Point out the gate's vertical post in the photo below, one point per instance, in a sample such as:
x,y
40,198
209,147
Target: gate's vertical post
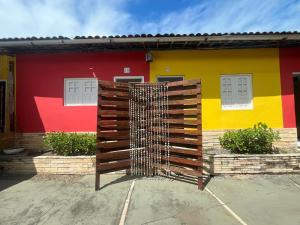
x,y
97,180
199,137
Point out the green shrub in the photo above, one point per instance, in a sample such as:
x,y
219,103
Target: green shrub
x,y
71,143
256,140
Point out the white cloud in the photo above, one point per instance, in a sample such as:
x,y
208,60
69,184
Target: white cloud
x,y
19,18
61,17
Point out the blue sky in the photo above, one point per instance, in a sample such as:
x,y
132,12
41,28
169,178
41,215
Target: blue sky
x,y
19,18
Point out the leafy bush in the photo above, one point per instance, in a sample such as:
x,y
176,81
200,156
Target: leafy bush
x,y
256,140
71,143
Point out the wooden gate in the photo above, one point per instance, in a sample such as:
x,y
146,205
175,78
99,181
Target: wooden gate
x,y
184,127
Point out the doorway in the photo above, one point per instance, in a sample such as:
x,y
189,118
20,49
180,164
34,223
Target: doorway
x,y
2,105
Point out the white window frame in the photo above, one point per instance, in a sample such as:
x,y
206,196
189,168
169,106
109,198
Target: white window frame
x,y
167,76
129,77
234,106
81,104
296,74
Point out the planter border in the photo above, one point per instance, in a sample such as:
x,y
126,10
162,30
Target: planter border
x,y
223,164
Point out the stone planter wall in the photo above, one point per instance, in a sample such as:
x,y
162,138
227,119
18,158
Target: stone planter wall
x,y
216,164
256,164
48,164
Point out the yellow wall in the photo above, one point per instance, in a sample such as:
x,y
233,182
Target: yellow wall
x,y
209,65
4,70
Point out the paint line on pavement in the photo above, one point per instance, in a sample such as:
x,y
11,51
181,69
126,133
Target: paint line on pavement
x,y
295,183
226,207
126,205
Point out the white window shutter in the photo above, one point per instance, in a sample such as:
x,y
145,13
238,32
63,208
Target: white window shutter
x,y
73,92
90,91
236,92
80,91
227,91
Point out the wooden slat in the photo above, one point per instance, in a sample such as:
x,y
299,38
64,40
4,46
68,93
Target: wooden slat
x,y
184,112
179,131
118,165
182,121
183,83
113,124
112,84
183,161
185,141
114,94
184,102
114,138
117,144
184,171
119,104
114,113
112,134
113,87
183,92
181,140
111,156
184,151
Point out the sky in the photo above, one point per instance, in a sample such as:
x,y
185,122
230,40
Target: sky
x,y
43,18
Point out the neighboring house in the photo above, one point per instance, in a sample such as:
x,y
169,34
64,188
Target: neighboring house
x,y
246,79
7,100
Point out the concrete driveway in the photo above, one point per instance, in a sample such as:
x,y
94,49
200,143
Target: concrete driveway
x,y
72,200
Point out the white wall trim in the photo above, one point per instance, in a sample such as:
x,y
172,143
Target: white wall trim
x,y
129,77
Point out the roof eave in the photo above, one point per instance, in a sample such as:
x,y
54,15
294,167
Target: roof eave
x,y
129,40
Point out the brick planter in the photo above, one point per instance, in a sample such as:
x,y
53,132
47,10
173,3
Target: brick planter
x,y
218,164
48,164
256,164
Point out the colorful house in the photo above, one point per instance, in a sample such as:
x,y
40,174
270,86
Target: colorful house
x,y
246,79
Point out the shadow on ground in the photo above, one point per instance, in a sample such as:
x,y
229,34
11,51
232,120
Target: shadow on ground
x,y
8,180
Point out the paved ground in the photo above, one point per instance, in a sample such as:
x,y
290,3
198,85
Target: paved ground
x,y
72,200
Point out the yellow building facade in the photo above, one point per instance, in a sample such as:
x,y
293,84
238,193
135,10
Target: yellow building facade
x,y
210,65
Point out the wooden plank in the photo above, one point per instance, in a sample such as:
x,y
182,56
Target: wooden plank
x,y
184,151
112,83
114,94
184,102
184,112
184,131
116,144
183,161
182,121
181,140
119,104
113,87
183,171
117,165
112,133
185,141
112,156
114,113
183,83
113,124
183,92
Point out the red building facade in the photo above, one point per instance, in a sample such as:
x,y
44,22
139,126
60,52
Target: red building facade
x,y
289,69
40,87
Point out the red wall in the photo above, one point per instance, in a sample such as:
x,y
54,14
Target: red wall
x,y
289,63
40,87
